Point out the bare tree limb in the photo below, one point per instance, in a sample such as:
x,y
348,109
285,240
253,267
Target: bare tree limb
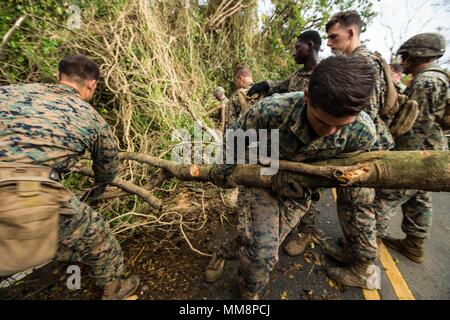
x,y
127,186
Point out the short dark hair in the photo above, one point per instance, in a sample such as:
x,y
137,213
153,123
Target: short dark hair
x,y
242,70
396,67
78,68
311,35
345,18
342,85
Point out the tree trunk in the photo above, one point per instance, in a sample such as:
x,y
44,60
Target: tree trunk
x,y
422,170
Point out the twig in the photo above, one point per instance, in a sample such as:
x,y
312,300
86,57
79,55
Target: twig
x,y
10,32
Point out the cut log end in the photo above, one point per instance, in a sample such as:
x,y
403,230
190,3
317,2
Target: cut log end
x,y
194,171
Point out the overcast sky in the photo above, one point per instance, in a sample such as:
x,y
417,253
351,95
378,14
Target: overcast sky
x,y
405,18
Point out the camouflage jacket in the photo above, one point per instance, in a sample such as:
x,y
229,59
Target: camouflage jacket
x,y
50,125
429,89
385,139
233,108
298,142
298,81
400,87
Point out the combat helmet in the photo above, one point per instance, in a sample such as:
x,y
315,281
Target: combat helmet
x,y
424,45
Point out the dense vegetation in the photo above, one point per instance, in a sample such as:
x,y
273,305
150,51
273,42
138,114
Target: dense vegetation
x,y
159,59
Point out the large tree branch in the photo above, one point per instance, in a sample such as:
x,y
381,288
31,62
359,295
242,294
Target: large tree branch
x,y
422,170
127,186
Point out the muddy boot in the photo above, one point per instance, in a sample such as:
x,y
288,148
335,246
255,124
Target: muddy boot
x,y
298,245
247,295
120,289
214,269
337,253
411,247
361,274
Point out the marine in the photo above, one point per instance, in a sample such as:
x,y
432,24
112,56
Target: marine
x,y
311,127
307,47
44,130
430,88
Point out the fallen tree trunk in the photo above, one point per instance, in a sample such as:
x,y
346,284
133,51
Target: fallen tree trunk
x,y
422,170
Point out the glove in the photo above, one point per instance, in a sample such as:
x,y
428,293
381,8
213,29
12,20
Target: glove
x,y
259,88
287,185
220,175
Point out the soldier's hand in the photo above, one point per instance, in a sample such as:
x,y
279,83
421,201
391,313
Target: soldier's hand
x,y
286,185
259,88
220,174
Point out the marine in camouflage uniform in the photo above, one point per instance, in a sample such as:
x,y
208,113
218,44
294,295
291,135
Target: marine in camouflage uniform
x,y
356,213
307,48
264,217
430,89
234,107
51,125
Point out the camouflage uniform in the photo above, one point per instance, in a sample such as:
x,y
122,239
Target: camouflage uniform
x,y
50,125
265,218
298,81
233,108
385,139
400,87
429,89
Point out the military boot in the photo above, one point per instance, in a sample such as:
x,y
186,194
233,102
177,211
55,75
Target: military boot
x,y
248,295
337,253
361,274
411,247
120,289
214,269
298,245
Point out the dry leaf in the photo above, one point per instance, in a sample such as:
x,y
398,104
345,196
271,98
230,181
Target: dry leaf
x,y
133,297
284,295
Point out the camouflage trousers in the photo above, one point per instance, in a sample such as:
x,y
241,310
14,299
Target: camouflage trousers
x,y
358,222
84,236
416,208
264,220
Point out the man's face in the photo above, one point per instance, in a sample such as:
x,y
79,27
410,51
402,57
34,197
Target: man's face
x,y
302,52
242,81
396,76
325,125
339,38
406,64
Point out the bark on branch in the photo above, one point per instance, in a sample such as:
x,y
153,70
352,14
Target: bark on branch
x,y
422,170
127,186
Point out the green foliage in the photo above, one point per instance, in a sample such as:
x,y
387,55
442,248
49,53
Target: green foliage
x,y
158,59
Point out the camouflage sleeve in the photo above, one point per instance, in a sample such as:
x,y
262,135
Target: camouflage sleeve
x,y
104,154
428,93
362,135
280,86
232,110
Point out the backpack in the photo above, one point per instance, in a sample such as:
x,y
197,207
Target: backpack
x,y
29,216
391,106
445,120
